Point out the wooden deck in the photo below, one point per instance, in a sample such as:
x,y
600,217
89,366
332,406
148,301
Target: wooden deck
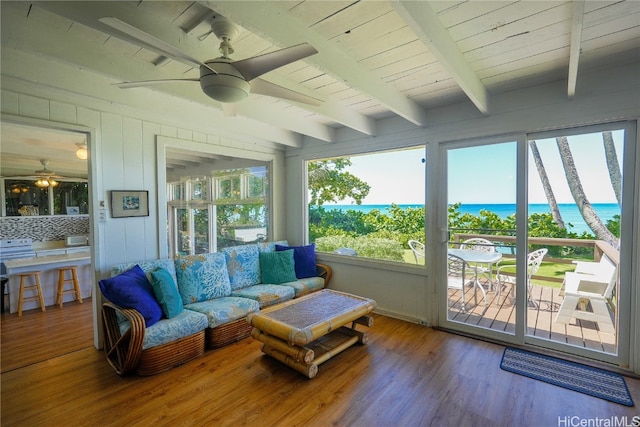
x,y
541,311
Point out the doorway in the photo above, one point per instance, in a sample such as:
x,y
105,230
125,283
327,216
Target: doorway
x,y
535,228
55,211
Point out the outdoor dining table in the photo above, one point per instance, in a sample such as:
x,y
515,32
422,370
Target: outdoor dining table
x,y
475,257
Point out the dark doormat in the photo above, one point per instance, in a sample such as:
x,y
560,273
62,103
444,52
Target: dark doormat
x,y
573,376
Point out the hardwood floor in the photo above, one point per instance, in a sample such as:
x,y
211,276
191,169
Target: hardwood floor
x,y
41,335
408,375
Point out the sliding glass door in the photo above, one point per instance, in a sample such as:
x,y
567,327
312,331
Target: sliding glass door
x,y
576,299
535,246
481,229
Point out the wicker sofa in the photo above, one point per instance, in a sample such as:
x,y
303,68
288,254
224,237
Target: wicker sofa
x,y
217,291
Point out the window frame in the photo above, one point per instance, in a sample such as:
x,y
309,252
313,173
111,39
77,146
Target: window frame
x,y
358,260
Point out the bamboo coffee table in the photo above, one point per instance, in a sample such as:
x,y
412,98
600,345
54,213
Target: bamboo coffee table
x,y
308,331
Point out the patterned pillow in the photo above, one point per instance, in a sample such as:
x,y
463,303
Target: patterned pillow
x,y
277,267
305,259
131,289
202,277
166,291
243,264
147,267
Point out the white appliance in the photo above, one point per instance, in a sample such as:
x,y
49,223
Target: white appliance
x,y
77,240
13,249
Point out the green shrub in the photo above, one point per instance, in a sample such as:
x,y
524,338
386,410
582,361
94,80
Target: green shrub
x,y
365,246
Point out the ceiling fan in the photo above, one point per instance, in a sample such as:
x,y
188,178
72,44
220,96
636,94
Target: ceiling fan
x,y
46,177
224,79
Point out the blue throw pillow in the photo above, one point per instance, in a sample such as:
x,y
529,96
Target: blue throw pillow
x,y
305,259
166,291
132,289
277,267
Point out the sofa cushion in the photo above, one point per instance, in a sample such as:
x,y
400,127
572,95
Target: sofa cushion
x,y
277,267
147,267
168,330
166,292
202,277
271,246
266,295
131,289
243,264
224,310
306,285
305,259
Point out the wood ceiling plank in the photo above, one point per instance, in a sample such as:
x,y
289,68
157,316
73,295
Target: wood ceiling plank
x,y
310,12
559,57
550,37
433,34
470,10
354,18
533,51
401,37
399,53
545,19
622,23
508,14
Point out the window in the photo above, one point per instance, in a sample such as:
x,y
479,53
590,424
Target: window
x,y
23,198
227,208
369,205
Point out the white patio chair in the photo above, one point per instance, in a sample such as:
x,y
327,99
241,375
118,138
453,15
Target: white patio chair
x,y
457,279
418,249
534,259
587,294
480,244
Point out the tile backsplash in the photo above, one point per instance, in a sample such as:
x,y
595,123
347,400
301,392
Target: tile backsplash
x,y
42,229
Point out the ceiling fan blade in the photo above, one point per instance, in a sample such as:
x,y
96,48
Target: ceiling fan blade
x,y
256,66
150,40
263,87
128,85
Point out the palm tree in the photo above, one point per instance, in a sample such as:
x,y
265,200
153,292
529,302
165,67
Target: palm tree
x,y
575,186
612,164
553,205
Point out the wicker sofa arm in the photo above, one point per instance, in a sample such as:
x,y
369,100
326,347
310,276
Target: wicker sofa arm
x,y
324,271
123,351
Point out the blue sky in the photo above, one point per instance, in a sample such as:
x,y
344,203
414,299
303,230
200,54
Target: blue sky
x,y
486,174
396,176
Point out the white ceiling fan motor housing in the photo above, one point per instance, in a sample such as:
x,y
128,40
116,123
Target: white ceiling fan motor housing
x,y
226,86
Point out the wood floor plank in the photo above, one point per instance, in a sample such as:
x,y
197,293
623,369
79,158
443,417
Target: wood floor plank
x,y
407,375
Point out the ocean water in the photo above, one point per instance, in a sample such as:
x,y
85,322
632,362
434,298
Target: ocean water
x,y
569,211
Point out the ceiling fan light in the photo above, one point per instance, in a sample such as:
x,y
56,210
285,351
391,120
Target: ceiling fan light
x,y
81,153
42,182
226,86
53,182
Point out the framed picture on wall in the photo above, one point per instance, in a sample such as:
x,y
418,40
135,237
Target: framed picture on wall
x,y
129,203
73,210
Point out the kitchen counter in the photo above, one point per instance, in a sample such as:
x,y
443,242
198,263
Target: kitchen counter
x,y
47,259
48,267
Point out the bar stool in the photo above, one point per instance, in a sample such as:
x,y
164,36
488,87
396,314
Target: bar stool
x,y
62,281
33,286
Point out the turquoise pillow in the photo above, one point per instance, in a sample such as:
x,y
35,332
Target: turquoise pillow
x,y
277,267
166,292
